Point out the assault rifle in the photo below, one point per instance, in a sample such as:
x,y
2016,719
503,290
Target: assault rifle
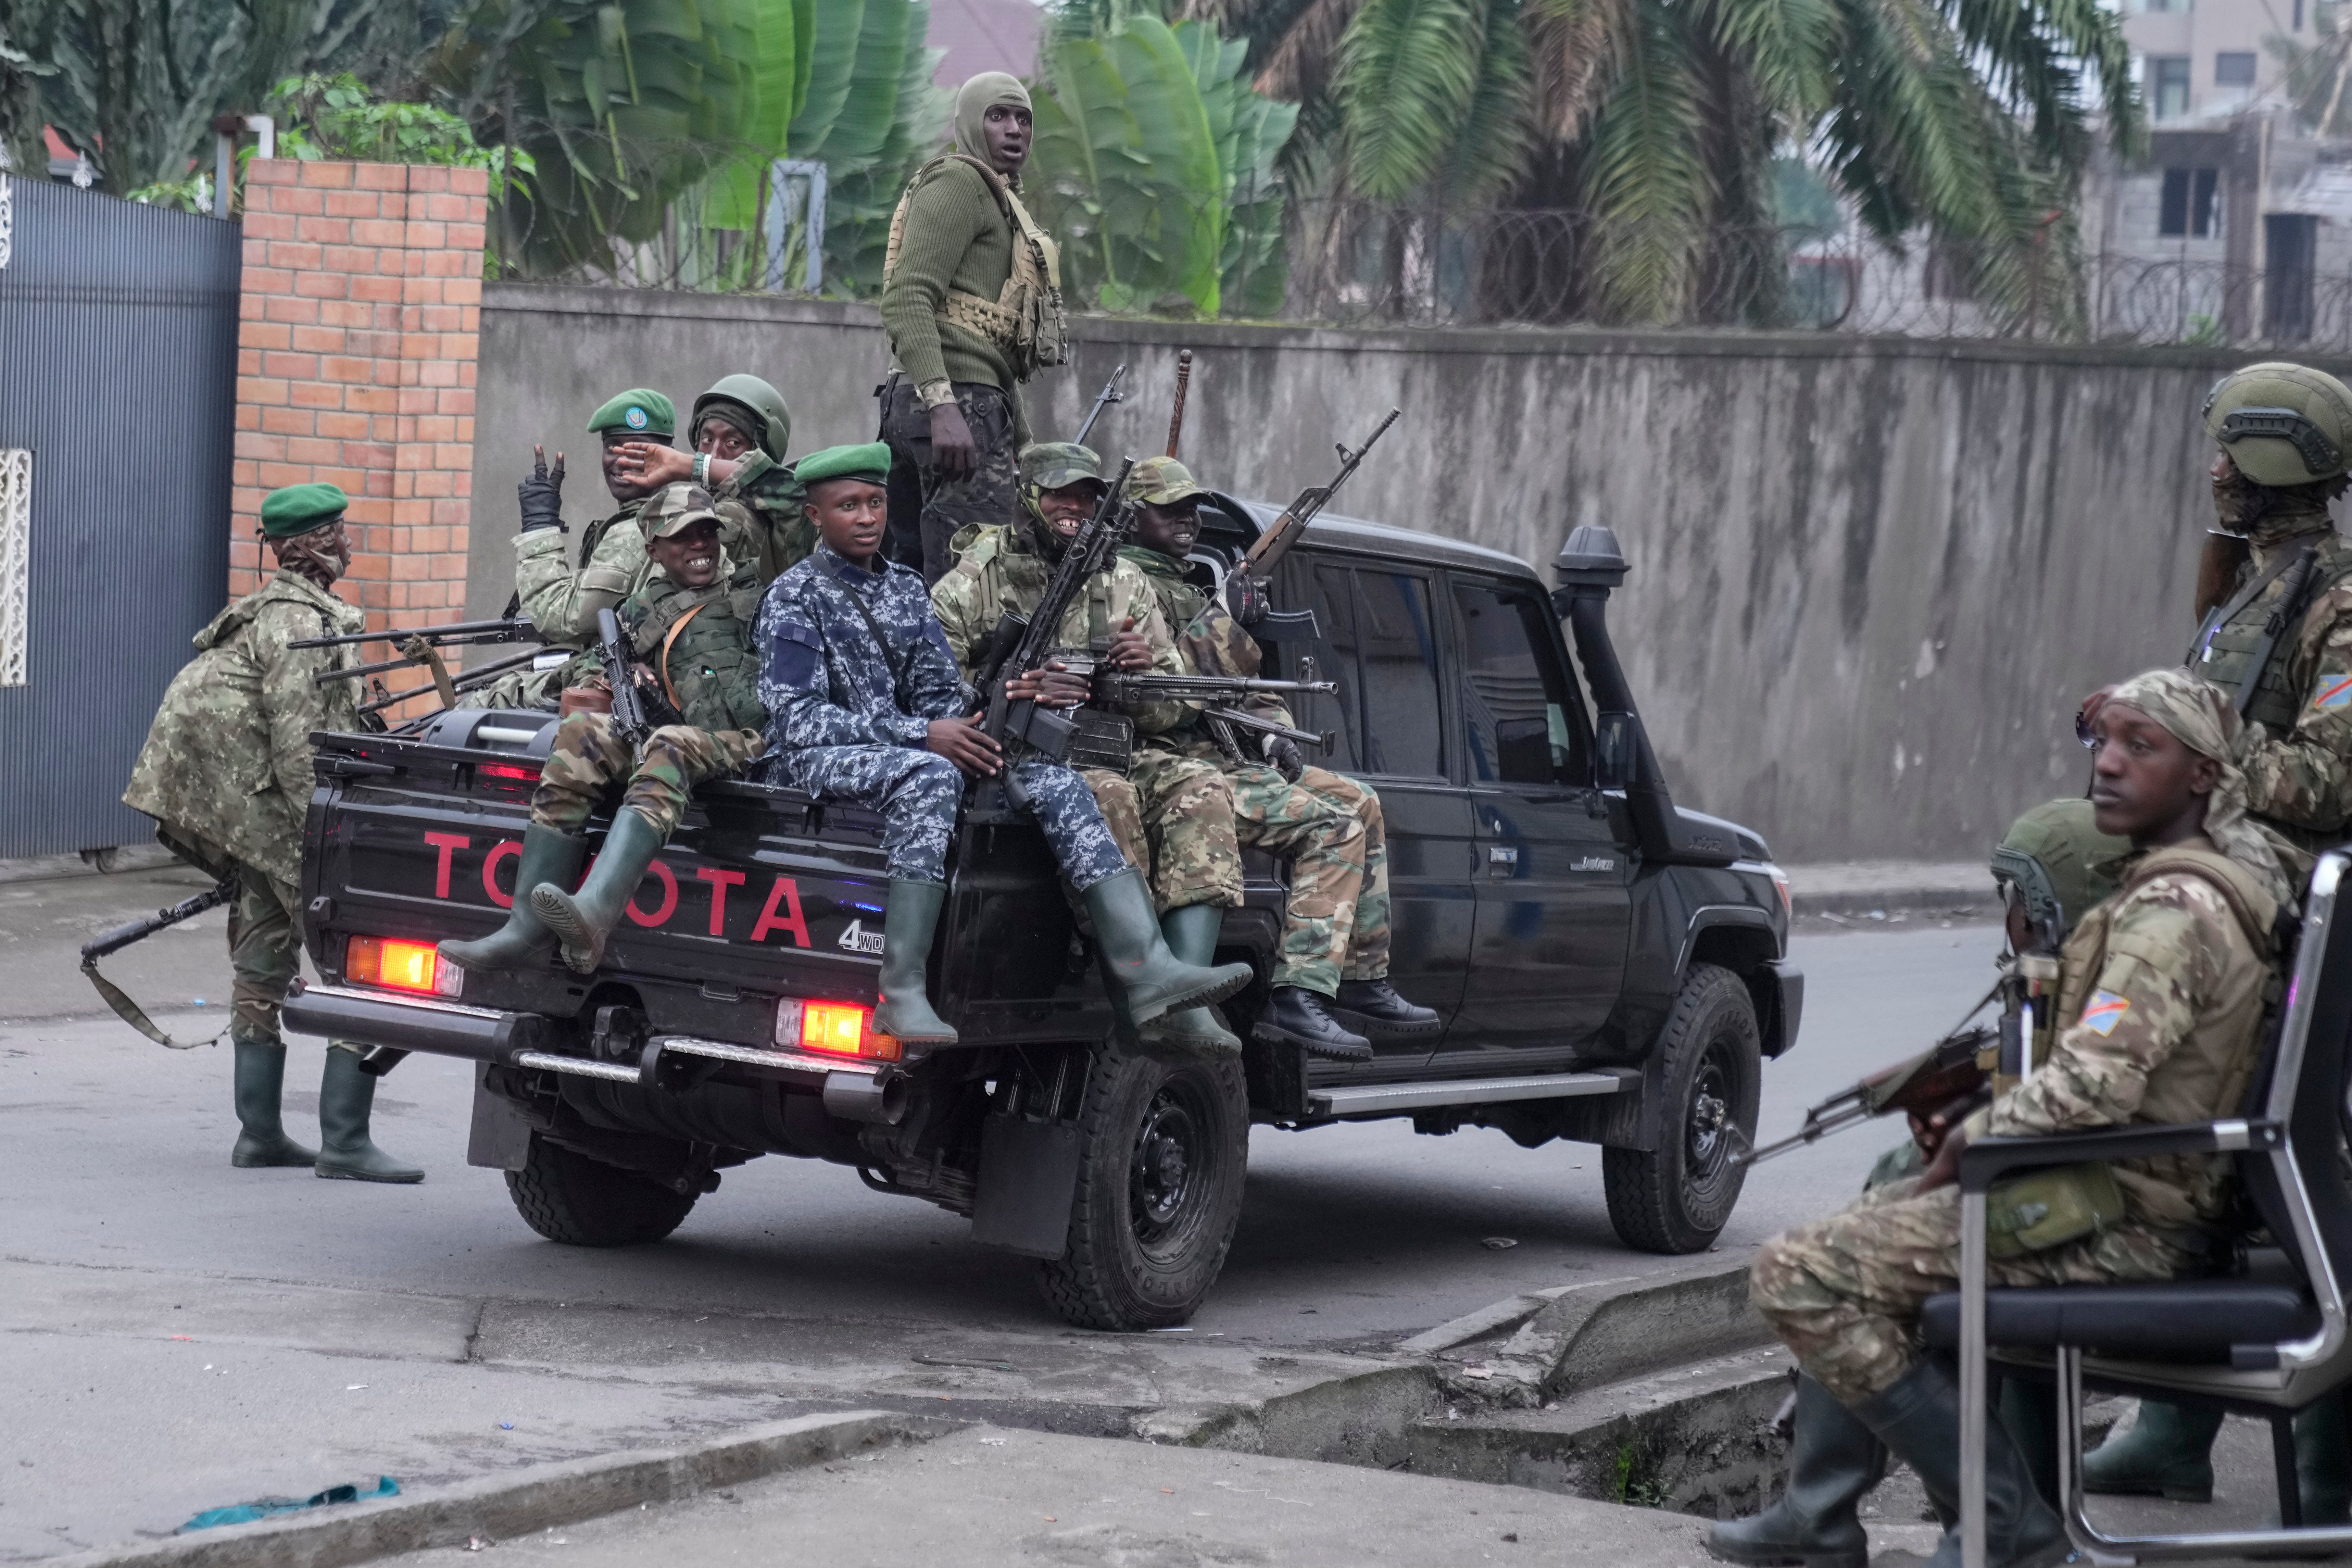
x,y
475,678
122,936
1246,588
1088,553
1110,394
422,645
1222,693
1947,1071
629,721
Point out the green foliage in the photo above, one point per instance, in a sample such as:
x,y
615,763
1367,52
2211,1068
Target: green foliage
x,y
881,124
335,117
1155,165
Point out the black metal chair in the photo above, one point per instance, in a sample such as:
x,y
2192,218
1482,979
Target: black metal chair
x,y
2268,1342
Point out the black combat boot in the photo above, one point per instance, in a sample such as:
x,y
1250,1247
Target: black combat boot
x,y
1834,1461
2321,1461
1192,1034
905,1010
2168,1453
260,1080
346,1097
1372,1007
1296,1016
582,921
547,856
1156,980
1919,1419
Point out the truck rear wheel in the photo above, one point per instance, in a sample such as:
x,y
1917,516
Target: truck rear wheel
x,y
1163,1149
567,1197
1678,1196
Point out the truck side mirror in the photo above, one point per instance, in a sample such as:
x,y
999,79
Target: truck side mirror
x,y
1613,751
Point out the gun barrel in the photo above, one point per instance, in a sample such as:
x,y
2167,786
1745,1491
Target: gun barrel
x,y
122,936
503,631
1322,740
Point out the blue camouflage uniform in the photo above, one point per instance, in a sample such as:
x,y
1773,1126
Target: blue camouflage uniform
x,y
854,668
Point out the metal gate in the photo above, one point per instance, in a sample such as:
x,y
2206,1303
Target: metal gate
x,y
117,394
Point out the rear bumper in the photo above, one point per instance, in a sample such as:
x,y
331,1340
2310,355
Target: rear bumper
x,y
412,1024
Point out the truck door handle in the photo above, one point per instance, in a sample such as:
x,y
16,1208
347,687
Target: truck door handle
x,y
1499,854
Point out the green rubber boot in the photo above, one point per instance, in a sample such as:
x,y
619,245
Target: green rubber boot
x,y
582,921
547,856
2321,1460
2168,1453
1155,980
260,1083
346,1096
1834,1461
905,1010
1919,1419
1192,1034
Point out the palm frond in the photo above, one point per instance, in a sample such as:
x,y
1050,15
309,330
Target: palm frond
x,y
1407,68
1647,182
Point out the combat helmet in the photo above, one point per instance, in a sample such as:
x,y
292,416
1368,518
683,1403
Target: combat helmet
x,y
2282,424
765,402
2059,862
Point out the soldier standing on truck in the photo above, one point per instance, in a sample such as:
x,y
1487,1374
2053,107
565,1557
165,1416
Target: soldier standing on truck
x,y
1330,988
560,599
971,300
2285,435
225,774
691,626
1002,569
2166,986
740,430
865,705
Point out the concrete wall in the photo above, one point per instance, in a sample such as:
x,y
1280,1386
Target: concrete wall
x,y
1871,577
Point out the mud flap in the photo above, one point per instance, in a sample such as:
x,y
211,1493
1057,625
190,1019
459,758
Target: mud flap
x,y
1028,1179
500,1136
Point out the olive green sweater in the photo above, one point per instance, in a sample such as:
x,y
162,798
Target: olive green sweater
x,y
956,236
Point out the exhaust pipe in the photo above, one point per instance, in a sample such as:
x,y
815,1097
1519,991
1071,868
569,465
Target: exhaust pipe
x,y
1590,565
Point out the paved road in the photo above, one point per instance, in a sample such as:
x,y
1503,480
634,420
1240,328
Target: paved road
x,y
122,1225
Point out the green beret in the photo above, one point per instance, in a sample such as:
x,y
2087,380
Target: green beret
x,y
870,462
298,508
636,412
1050,465
1161,481
675,507
2059,861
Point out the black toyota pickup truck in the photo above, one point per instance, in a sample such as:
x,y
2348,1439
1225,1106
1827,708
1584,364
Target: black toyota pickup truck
x,y
1610,969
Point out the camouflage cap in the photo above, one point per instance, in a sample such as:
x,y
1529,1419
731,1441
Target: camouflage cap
x,y
1050,465
2282,424
2059,862
298,508
1161,481
636,412
675,507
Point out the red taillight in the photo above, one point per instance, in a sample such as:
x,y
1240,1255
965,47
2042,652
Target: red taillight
x,y
505,770
399,966
836,1028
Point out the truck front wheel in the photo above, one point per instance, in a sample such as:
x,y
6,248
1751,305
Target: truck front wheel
x,y
1162,1154
567,1197
1678,1196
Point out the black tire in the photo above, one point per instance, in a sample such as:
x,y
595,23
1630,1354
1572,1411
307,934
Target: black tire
x,y
567,1197
1162,1152
1678,1197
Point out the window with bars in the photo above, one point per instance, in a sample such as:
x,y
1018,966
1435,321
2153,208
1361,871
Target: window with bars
x,y
16,561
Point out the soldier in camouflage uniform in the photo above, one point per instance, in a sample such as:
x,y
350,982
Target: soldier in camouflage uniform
x,y
563,599
2166,983
1330,987
1176,805
226,773
691,626
864,704
740,430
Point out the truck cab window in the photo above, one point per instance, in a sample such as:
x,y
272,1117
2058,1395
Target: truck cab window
x,y
1523,722
1395,649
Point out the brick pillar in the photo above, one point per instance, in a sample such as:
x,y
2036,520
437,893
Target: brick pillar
x,y
360,318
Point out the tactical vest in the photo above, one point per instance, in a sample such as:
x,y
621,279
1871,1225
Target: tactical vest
x,y
990,557
2225,653
1025,320
698,644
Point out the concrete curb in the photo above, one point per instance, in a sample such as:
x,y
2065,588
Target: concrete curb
x,y
1588,1336
521,1502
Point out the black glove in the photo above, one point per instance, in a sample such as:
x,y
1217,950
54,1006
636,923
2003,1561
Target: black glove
x,y
540,496
1244,600
1282,752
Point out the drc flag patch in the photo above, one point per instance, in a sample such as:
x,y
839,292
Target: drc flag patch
x,y
2103,1012
2334,691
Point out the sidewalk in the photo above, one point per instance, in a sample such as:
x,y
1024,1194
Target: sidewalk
x,y
1890,892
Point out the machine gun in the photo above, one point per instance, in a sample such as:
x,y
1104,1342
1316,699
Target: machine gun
x,y
423,645
1223,694
1110,394
1245,587
1953,1067
1088,553
475,678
